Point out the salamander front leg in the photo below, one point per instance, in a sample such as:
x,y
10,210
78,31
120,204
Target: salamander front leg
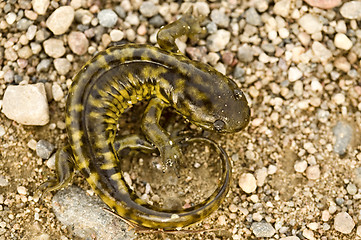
x,y
168,149
64,164
133,141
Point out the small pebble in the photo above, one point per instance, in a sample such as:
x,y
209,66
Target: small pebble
x,y
310,23
218,40
54,47
116,35
78,42
262,229
26,104
57,92
245,54
308,234
313,172
324,4
44,149
32,144
344,223
252,17
22,190
3,181
219,18
300,166
62,65
60,20
107,18
321,52
294,74
282,8
351,189
343,133
351,10
342,41
40,6
342,64
148,9
247,182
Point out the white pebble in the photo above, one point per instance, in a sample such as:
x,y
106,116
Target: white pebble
x,y
57,92
313,172
338,98
344,223
300,166
294,74
26,104
22,190
310,23
247,182
307,233
342,41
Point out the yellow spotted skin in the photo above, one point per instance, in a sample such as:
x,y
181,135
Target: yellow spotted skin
x,y
119,77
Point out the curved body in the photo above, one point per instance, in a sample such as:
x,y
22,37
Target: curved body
x,y
116,79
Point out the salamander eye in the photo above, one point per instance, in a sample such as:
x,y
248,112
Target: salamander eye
x,y
218,125
238,94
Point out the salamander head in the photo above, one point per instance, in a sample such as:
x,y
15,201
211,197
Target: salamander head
x,y
214,103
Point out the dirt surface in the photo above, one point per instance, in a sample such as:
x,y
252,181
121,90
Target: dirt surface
x,y
301,183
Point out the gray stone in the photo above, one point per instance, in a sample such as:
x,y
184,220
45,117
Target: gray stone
x,y
148,9
262,229
44,65
343,133
44,149
86,216
107,18
245,54
220,18
26,104
252,17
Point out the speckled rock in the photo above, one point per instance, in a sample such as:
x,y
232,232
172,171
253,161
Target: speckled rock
x,y
78,43
351,10
60,20
107,18
26,104
40,6
86,217
54,47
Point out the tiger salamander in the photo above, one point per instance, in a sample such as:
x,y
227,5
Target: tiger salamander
x,y
116,79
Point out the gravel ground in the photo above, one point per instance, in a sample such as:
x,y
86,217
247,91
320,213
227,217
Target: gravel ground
x,y
296,168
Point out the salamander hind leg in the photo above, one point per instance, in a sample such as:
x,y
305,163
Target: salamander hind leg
x,y
168,149
64,165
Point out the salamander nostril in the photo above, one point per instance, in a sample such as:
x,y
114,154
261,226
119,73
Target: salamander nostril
x,y
218,125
